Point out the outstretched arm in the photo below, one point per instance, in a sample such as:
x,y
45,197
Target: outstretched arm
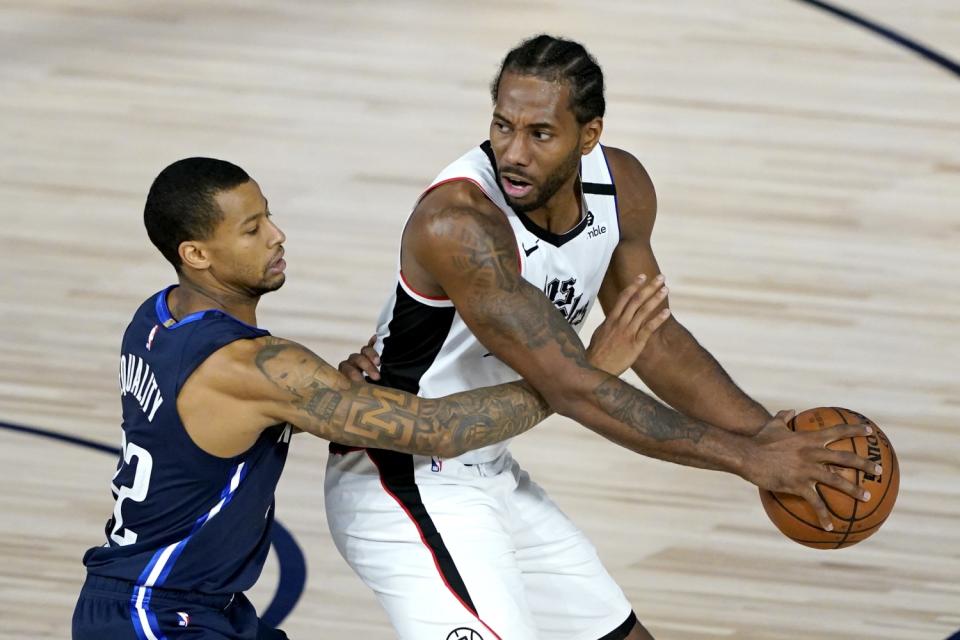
x,y
466,247
675,366
272,380
251,384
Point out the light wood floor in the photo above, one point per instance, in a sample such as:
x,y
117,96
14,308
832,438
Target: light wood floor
x,y
809,180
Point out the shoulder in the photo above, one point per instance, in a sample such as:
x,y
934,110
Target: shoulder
x,y
636,196
455,212
236,369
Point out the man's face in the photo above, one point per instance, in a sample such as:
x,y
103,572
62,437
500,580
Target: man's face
x,y
535,139
246,249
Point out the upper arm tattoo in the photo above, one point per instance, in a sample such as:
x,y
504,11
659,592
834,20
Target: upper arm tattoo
x,y
496,296
359,414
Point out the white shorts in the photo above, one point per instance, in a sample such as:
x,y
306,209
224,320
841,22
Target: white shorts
x,y
472,552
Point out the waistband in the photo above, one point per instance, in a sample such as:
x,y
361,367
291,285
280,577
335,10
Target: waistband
x,y
124,589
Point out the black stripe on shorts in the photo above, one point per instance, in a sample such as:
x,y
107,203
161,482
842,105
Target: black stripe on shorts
x,y
396,473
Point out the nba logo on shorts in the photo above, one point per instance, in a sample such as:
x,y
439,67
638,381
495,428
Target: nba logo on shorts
x,y
464,633
436,464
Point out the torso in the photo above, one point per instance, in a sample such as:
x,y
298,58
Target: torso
x,y
184,519
425,346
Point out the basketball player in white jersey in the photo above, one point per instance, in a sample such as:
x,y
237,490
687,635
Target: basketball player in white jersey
x,y
500,262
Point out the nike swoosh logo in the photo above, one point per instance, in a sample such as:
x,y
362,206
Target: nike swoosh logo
x,y
487,354
530,250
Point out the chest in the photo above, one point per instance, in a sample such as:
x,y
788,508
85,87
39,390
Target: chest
x,y
569,268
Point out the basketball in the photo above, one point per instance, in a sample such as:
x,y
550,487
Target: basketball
x,y
853,520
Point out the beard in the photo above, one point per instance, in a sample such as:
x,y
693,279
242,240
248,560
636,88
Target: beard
x,y
551,183
266,286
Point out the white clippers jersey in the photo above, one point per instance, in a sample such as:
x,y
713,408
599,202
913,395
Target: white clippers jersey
x,y
425,346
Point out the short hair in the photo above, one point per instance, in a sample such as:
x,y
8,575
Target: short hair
x,y
181,206
559,60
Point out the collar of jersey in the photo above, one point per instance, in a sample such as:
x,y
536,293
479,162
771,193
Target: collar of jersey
x,y
556,239
166,318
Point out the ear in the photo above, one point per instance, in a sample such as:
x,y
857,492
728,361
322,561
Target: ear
x,y
590,135
194,254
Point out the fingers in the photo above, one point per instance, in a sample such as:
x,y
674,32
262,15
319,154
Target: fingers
x,y
785,416
644,312
626,295
851,460
843,431
366,362
371,354
838,482
348,369
647,329
819,507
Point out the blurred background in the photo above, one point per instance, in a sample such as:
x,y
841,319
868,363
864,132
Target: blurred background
x,y
808,174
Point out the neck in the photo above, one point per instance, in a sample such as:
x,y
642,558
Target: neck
x,y
563,211
192,296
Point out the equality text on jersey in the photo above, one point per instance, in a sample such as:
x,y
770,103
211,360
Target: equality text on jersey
x,y
137,379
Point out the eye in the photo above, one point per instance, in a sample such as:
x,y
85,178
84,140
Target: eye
x,y
542,135
501,127
251,232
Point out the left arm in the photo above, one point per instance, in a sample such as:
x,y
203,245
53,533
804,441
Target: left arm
x,y
674,365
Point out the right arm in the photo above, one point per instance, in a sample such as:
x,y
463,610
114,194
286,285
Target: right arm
x,y
471,254
251,384
457,244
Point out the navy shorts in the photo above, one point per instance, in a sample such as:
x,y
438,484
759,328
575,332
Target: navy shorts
x,y
110,609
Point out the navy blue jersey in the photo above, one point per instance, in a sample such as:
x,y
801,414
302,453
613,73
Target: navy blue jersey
x,y
183,519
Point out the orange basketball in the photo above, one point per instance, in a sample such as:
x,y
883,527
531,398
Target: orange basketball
x,y
853,520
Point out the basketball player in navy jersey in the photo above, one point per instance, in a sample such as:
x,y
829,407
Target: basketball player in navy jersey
x,y
209,403
500,262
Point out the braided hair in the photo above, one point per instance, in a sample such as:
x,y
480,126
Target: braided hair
x,y
559,60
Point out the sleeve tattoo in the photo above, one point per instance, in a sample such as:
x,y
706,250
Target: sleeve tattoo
x,y
360,414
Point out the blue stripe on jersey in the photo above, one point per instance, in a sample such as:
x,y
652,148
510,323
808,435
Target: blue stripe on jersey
x,y
160,565
154,576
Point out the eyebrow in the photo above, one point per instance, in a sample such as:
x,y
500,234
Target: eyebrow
x,y
535,125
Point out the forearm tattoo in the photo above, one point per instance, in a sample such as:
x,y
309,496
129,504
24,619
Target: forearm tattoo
x,y
367,415
646,415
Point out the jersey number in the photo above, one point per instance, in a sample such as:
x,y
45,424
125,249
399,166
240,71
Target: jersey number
x,y
137,492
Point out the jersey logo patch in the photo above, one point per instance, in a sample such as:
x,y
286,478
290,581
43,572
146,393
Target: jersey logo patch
x,y
153,334
563,294
531,249
184,619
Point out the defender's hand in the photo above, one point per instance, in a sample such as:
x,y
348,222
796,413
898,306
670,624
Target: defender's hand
x,y
365,362
795,463
618,341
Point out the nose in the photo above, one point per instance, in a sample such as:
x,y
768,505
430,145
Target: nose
x,y
517,152
279,237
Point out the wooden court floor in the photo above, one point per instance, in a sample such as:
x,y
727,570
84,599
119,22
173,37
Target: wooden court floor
x,y
809,179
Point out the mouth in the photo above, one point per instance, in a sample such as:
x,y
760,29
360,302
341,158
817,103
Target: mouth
x,y
278,264
515,186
